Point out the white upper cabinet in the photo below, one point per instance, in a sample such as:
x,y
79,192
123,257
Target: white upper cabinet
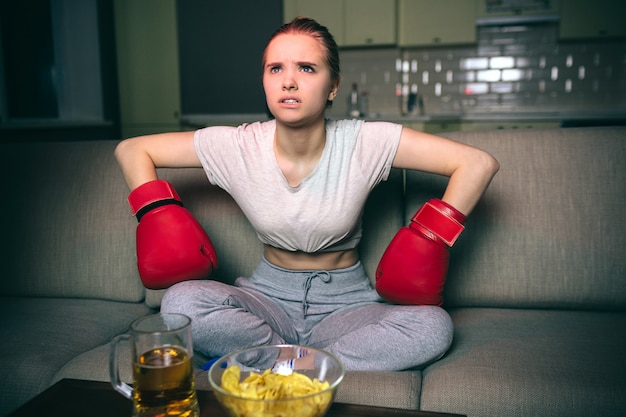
x,y
436,22
352,22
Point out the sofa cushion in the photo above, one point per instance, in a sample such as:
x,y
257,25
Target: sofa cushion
x,y
383,389
550,231
507,362
66,223
39,335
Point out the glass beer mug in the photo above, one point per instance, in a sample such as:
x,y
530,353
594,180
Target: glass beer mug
x,y
162,367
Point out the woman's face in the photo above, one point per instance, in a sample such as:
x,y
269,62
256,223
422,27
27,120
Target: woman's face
x,y
296,79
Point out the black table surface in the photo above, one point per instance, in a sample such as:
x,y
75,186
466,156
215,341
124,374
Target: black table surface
x,y
73,397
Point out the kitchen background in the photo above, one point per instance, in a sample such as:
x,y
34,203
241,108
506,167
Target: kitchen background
x,y
518,68
101,69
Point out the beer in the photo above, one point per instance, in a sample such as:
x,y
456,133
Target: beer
x,y
164,384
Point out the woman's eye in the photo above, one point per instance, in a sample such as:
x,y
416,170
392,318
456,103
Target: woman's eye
x,y
274,70
307,68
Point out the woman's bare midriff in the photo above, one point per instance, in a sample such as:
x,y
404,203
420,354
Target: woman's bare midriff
x,y
299,261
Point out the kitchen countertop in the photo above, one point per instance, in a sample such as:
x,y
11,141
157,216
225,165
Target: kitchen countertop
x,y
501,116
199,120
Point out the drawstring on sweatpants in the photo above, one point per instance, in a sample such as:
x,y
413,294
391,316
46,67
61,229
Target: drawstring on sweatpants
x,y
324,276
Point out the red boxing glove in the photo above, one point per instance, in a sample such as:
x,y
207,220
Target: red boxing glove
x,y
171,245
414,266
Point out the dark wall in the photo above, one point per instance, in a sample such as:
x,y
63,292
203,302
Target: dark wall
x,y
221,45
28,50
33,75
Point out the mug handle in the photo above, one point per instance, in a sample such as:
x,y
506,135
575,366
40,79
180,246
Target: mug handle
x,y
114,373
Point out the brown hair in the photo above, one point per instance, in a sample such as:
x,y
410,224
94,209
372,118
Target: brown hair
x,y
307,26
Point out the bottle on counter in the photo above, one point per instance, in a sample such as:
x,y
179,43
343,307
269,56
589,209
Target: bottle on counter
x,y
353,105
364,104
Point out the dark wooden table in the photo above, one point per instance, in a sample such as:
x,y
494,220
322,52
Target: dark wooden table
x,y
76,398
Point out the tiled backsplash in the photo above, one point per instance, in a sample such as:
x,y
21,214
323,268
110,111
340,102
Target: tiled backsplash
x,y
515,68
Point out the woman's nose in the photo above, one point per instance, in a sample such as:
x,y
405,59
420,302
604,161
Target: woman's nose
x,y
289,83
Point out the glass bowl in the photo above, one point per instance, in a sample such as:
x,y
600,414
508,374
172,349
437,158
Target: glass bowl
x,y
269,381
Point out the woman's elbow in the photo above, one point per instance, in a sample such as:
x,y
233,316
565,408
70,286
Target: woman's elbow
x,y
492,166
486,166
125,149
121,149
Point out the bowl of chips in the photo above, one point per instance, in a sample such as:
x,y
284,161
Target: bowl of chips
x,y
276,380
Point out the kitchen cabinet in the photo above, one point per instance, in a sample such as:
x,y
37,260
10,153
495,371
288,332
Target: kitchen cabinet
x,y
370,22
352,22
436,22
592,19
147,55
329,13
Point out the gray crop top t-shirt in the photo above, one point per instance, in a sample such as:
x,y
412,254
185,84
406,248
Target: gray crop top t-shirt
x,y
323,212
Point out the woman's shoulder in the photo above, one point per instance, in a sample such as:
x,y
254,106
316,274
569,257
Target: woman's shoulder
x,y
358,124
358,128
245,130
259,126
343,124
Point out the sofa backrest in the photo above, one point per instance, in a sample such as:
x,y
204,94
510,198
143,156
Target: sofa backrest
x,y
68,231
550,230
65,224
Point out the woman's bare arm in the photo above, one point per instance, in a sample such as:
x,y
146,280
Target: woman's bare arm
x,y
139,157
470,169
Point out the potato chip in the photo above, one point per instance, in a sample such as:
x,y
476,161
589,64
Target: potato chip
x,y
270,386
230,379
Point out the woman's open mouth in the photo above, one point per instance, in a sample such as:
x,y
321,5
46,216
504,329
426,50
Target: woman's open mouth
x,y
289,100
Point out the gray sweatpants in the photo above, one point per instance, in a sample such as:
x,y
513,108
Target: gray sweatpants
x,y
336,310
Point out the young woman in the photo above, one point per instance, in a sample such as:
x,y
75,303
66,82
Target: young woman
x,y
302,181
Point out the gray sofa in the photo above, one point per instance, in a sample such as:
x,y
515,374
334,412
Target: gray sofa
x,y
536,288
